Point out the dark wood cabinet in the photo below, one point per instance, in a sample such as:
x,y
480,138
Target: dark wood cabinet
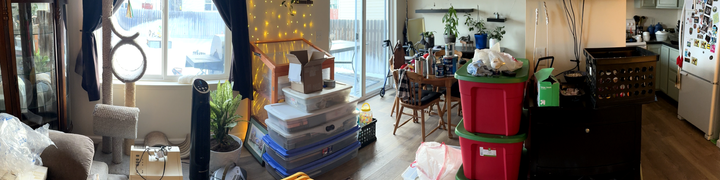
x,y
33,62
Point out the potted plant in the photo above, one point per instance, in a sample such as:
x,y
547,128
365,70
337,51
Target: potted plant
x,y
428,39
451,21
479,26
224,147
496,35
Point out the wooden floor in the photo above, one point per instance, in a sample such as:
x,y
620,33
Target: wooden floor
x,y
671,148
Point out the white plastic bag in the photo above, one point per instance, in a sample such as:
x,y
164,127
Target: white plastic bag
x,y
497,60
20,145
437,161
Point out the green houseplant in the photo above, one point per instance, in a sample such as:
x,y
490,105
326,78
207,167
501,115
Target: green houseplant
x,y
451,21
496,35
224,147
479,27
428,39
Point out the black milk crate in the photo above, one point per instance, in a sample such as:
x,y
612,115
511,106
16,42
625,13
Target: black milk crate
x,y
367,134
621,75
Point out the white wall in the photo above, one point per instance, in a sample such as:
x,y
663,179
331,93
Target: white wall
x,y
166,108
604,27
667,17
514,39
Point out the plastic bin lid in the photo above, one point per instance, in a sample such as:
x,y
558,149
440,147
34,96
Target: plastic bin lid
x,y
490,138
325,91
288,113
315,165
522,75
310,147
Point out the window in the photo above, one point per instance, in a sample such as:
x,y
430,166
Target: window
x,y
193,44
210,6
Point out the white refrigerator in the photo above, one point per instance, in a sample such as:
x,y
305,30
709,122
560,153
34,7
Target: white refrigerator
x,y
698,81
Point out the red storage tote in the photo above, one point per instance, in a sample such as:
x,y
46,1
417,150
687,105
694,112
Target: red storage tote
x,y
492,105
487,156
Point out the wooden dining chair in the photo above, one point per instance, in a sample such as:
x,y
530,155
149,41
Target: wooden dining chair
x,y
397,53
418,100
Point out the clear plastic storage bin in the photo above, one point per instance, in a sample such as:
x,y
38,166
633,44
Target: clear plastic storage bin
x,y
315,168
289,119
290,159
309,136
328,97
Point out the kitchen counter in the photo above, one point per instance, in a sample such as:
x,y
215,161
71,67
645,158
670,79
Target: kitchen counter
x,y
667,42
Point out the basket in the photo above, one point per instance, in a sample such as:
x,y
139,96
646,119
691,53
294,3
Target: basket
x,y
367,134
621,75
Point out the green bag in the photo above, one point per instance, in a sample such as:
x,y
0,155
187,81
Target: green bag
x,y
548,88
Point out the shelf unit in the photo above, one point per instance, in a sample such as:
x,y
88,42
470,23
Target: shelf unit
x,y
442,10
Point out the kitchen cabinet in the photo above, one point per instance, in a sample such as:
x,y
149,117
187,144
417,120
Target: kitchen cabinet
x,y
656,49
667,4
658,4
672,91
666,69
645,3
663,68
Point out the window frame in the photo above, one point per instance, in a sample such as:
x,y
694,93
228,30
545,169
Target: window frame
x,y
164,76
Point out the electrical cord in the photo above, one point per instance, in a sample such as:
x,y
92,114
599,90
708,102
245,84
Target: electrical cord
x,y
141,158
571,19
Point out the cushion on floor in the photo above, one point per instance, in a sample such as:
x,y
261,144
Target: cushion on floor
x,y
99,168
71,157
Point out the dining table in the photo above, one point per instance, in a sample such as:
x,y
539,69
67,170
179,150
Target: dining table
x,y
447,83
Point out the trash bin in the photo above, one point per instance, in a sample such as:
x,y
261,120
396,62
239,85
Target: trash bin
x,y
492,105
487,156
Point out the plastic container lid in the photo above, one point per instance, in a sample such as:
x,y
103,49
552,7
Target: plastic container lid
x,y
313,165
319,94
337,125
365,109
311,147
522,75
490,138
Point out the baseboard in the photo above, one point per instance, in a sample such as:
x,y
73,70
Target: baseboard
x,y
98,139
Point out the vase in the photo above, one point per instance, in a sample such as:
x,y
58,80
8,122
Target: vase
x,y
430,41
449,38
481,41
221,159
493,41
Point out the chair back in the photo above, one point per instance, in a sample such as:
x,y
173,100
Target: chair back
x,y
398,55
414,86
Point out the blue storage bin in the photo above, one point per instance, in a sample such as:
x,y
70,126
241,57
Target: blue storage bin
x,y
290,159
313,169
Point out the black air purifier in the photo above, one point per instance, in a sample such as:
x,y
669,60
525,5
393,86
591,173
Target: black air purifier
x,y
200,131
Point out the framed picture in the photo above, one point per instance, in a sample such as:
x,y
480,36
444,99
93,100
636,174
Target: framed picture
x,y
253,140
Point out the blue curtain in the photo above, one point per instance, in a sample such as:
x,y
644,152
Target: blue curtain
x,y
86,64
234,13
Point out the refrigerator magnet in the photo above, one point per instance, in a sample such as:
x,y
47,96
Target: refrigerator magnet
x,y
708,46
711,58
712,48
707,38
697,43
693,61
706,19
687,60
689,44
709,3
715,9
708,10
703,44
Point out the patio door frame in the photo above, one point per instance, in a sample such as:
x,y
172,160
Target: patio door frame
x,y
390,15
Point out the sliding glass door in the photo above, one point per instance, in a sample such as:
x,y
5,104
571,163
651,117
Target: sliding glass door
x,y
354,25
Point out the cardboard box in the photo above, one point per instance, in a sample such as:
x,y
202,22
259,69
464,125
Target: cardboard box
x,y
305,72
37,173
548,88
153,170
